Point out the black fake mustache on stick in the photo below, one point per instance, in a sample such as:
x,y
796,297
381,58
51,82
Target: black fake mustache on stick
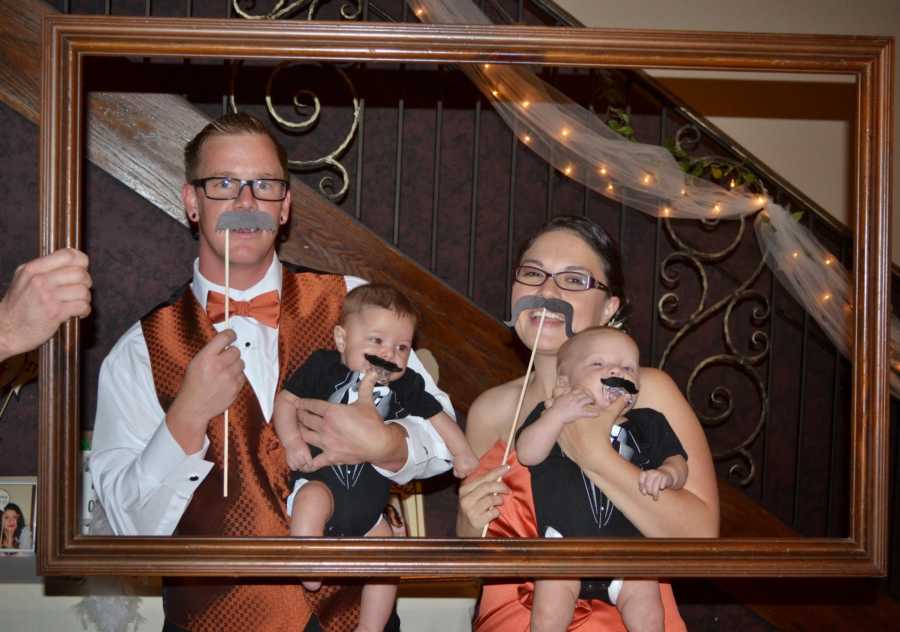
x,y
620,382
380,363
246,220
534,301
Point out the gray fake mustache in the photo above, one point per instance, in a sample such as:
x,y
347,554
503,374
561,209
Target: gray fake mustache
x,y
246,220
535,301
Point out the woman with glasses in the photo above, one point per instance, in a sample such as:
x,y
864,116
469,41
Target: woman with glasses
x,y
573,259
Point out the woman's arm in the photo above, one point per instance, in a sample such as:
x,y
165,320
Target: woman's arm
x,y
480,496
484,424
692,511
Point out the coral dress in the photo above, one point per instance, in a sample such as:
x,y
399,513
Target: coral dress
x,y
507,607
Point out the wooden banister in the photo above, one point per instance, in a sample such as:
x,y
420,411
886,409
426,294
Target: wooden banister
x,y
799,604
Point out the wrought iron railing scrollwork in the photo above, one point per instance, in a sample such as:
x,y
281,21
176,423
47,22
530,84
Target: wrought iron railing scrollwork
x,y
305,102
720,398
283,9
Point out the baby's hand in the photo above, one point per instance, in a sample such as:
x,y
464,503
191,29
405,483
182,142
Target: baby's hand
x,y
571,404
611,397
464,464
382,376
652,482
298,455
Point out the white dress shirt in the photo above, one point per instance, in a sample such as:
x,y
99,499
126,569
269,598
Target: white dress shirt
x,y
143,478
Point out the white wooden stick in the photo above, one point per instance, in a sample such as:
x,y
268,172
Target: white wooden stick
x,y
512,428
227,326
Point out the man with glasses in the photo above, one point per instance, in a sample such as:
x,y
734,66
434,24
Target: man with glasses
x,y
158,446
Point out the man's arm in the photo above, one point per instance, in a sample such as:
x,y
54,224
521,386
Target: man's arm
x,y
402,449
351,433
142,476
212,381
44,293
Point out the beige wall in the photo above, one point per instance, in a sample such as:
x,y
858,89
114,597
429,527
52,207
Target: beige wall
x,y
800,126
29,606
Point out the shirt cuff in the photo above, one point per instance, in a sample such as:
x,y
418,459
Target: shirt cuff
x,y
426,453
164,461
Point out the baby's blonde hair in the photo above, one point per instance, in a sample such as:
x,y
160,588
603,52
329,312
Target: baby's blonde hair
x,y
568,349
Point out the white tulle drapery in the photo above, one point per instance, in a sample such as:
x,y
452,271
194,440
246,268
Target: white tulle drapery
x,y
648,178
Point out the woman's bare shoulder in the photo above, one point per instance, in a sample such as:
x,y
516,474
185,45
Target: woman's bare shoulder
x,y
489,415
653,374
656,384
496,400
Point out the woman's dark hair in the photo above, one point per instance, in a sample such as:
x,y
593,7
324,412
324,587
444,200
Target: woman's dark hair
x,y
20,522
600,242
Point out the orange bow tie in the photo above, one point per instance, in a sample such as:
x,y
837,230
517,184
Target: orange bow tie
x,y
264,308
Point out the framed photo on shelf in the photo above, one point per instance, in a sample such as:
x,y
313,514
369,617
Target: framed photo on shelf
x,y
18,503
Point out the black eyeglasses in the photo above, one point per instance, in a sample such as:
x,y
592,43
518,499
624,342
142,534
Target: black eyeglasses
x,y
571,280
226,188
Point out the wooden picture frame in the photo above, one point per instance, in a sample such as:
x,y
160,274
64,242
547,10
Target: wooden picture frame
x,y
69,40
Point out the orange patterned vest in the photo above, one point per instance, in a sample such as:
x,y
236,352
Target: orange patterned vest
x,y
257,469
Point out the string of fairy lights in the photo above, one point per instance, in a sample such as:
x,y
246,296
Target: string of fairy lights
x,y
648,178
